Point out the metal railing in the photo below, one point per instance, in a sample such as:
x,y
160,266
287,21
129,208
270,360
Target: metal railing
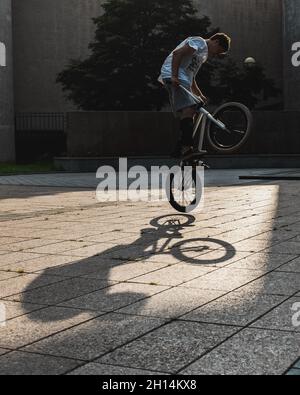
x,y
40,121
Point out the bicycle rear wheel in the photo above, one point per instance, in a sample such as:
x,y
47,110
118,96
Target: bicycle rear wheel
x,y
184,189
238,121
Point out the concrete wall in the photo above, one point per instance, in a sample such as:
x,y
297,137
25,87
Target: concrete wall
x,y
49,33
291,13
255,27
7,148
110,133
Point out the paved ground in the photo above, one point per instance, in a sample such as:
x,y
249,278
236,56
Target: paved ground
x,y
134,288
89,180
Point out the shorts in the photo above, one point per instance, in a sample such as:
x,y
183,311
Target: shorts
x,y
179,99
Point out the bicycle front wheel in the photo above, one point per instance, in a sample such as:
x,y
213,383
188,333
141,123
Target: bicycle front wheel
x,y
238,121
184,190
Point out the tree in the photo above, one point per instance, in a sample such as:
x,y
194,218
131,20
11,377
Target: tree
x,y
132,39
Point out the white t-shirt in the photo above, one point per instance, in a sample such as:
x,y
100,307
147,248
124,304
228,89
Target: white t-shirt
x,y
190,65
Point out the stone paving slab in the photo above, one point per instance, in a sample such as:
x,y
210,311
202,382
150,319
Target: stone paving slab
x,y
231,234
163,258
162,350
263,261
115,297
286,247
293,266
59,247
90,340
28,245
172,303
13,286
60,291
21,363
106,269
98,249
4,241
283,317
127,254
235,308
224,279
173,275
2,352
42,264
250,352
113,237
16,309
254,245
277,235
216,259
296,237
15,257
7,275
279,283
38,324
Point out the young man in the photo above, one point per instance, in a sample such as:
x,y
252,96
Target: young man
x,y
181,68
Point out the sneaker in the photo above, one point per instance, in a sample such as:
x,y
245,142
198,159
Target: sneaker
x,y
193,152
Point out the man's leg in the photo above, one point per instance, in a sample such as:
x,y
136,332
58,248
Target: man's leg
x,y
186,142
187,126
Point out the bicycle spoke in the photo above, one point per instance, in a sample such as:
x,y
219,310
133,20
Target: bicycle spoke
x,y
239,131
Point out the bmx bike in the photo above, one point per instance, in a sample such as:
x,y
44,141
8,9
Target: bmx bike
x,y
226,130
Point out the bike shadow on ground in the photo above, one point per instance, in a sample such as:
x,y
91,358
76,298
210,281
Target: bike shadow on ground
x,y
95,276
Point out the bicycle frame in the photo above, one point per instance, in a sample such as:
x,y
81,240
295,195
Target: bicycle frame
x,y
202,119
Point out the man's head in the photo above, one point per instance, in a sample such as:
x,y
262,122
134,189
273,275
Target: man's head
x,y
219,44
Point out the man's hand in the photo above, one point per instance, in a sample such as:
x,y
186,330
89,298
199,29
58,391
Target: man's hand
x,y
203,98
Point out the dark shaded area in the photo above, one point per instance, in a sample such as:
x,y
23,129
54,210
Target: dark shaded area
x,y
274,132
39,136
114,134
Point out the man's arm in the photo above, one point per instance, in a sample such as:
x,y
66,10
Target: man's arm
x,y
197,91
178,55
